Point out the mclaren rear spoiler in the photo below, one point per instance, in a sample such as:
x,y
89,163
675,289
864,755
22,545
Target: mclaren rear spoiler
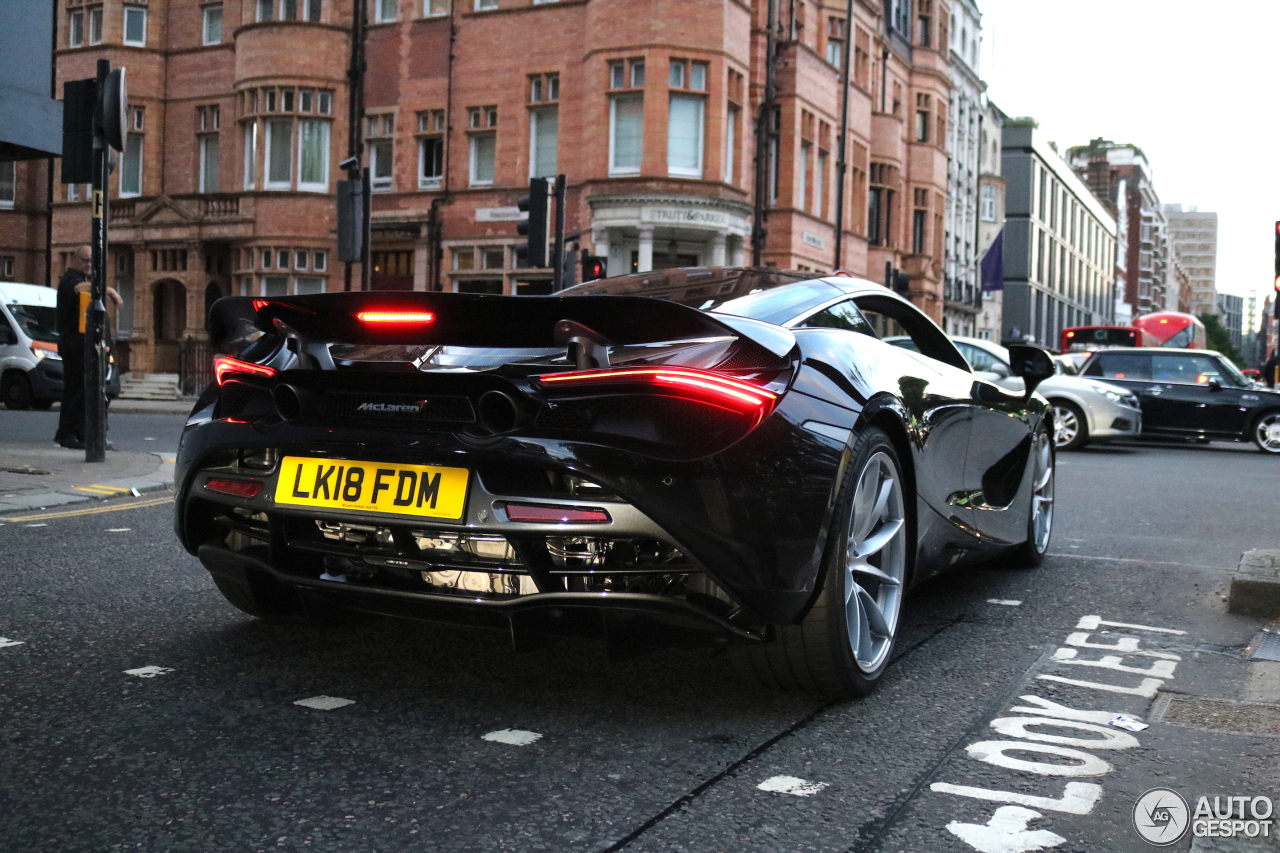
x,y
476,320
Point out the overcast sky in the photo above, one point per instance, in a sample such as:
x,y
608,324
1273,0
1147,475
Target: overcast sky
x,y
1185,81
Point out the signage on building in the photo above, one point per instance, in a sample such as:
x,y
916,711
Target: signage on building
x,y
498,214
813,240
684,216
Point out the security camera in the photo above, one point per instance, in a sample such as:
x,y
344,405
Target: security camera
x,y
349,163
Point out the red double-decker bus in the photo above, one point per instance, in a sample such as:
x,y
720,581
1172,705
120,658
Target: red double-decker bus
x,y
1173,329
1089,338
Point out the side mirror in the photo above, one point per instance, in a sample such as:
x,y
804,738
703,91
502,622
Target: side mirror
x,y
1032,364
1214,385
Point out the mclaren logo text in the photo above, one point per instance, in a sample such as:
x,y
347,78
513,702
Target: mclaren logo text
x,y
393,408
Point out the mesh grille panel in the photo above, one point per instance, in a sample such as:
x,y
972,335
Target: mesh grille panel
x,y
430,408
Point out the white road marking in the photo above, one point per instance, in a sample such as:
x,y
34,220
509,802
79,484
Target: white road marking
x,y
994,752
35,525
791,785
1158,669
1128,645
1007,602
1146,689
1006,832
1134,560
119,529
324,703
1045,708
1110,739
5,642
1093,623
512,737
148,671
148,439
1079,797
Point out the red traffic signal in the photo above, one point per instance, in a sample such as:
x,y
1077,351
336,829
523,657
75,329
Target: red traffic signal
x,y
594,267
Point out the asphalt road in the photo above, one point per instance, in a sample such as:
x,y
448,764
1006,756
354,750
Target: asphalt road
x,y
660,753
137,433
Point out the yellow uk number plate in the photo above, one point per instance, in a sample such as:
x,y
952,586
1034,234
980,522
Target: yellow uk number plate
x,y
423,490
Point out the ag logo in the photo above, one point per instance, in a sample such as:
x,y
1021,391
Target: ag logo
x,y
1161,816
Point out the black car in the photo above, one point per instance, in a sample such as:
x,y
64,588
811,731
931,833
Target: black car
x,y
1192,393
612,461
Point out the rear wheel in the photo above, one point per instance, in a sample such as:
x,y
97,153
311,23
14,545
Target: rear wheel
x,y
1266,433
16,392
1040,517
1070,428
843,645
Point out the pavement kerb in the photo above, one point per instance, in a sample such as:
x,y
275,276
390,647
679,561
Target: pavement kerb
x,y
161,478
1255,584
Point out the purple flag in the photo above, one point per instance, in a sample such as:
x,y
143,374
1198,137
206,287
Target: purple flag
x,y
993,265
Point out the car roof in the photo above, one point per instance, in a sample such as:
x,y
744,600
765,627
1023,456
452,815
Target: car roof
x,y
12,293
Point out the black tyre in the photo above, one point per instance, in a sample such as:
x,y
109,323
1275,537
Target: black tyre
x,y
1266,433
42,405
16,392
843,646
1043,463
1070,427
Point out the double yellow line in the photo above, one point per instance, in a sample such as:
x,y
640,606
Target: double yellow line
x,y
98,489
71,513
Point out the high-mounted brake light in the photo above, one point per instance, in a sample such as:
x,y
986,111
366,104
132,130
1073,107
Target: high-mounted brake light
x,y
701,384
225,365
543,514
395,317
259,304
235,488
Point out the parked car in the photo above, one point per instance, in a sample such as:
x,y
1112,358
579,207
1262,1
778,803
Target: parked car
x,y
1196,394
1084,410
30,364
764,472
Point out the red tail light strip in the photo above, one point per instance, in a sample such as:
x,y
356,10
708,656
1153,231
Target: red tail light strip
x,y
396,317
543,514
235,488
225,365
713,387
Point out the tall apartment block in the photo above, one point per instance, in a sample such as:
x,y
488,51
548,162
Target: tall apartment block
x,y
238,123
1059,243
1194,234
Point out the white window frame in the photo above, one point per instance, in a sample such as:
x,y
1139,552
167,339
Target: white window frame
x,y
320,260
137,10
475,138
696,172
95,15
205,139
614,169
250,154
141,158
8,203
379,9
730,143
309,280
987,195
486,5
436,181
204,24
75,22
268,144
534,115
321,186
384,184
427,13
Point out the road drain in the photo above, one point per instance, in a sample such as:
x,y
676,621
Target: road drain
x,y
1267,648
1217,715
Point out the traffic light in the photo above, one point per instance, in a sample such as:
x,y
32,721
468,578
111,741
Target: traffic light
x,y
594,267
533,253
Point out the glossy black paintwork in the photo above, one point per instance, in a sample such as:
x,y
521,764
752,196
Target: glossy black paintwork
x,y
1186,409
756,515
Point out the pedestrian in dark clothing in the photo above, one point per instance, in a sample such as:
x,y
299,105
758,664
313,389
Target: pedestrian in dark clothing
x,y
71,346
1271,370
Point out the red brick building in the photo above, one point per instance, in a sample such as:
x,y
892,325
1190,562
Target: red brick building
x,y
238,123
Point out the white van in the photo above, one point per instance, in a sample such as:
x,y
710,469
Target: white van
x,y
30,366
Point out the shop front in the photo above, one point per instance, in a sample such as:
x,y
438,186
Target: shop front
x,y
640,233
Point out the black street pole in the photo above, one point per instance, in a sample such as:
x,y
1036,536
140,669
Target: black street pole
x,y
842,144
764,132
557,248
355,121
95,401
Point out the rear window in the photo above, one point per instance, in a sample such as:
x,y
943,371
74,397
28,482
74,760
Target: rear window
x,y
1120,365
777,305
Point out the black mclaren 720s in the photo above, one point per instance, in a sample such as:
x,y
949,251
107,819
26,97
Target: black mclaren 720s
x,y
699,455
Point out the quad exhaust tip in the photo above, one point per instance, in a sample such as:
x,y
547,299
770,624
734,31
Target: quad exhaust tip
x,y
498,413
288,401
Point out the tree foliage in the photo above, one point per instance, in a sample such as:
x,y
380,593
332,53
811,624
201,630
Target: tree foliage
x,y
1218,338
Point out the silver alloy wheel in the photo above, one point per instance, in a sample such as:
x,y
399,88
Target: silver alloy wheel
x,y
1066,426
1042,495
875,562
1267,433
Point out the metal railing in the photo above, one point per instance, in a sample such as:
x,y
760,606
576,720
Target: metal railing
x,y
195,366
